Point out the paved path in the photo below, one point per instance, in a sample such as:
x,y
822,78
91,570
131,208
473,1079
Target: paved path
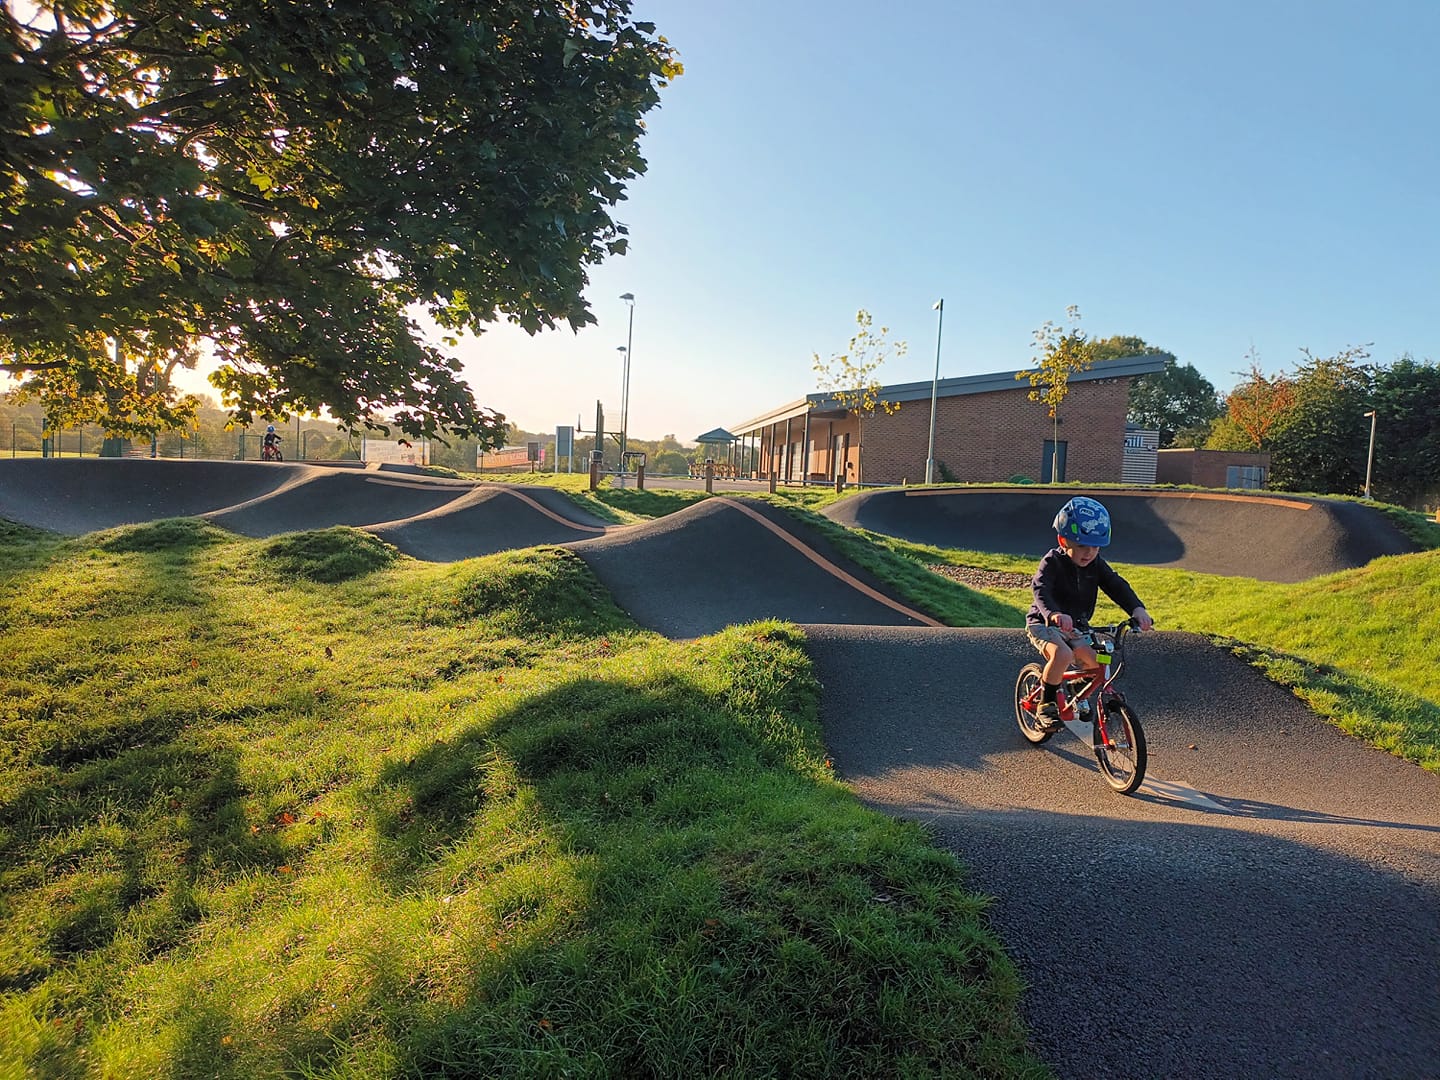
x,y
1267,905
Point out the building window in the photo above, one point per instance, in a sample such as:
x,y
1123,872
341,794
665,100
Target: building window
x,y
1244,476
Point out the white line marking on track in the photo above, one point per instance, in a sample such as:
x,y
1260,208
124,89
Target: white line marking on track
x,y
1164,789
1176,792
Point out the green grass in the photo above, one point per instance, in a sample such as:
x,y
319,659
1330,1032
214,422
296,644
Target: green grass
x,y
1358,647
304,808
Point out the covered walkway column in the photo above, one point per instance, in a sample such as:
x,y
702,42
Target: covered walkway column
x,y
805,453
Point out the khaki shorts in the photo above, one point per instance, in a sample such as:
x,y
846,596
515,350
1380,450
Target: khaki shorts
x,y
1040,636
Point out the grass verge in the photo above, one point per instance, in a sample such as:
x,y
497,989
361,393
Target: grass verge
x,y
302,808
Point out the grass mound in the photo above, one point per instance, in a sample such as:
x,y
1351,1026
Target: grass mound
x,y
329,555
459,820
165,535
541,591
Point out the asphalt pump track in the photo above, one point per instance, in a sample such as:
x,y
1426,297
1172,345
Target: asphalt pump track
x,y
1259,535
1267,904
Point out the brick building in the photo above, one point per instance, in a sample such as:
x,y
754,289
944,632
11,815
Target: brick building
x,y
1213,468
986,429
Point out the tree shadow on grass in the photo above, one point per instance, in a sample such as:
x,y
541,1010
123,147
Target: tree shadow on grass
x,y
714,904
114,806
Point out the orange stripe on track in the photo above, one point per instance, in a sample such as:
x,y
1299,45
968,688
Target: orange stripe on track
x,y
829,567
551,514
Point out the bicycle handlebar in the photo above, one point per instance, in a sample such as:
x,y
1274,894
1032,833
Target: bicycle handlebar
x,y
1127,626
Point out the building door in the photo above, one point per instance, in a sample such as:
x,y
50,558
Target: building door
x,y
1050,455
837,460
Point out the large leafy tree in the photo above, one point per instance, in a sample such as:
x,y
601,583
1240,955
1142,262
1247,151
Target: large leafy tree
x,y
1253,408
1176,401
1319,443
1059,353
1118,345
1407,431
294,184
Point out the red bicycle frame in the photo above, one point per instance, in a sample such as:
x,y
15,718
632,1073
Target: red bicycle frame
x,y
1084,692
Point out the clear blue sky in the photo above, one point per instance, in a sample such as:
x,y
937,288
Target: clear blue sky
x,y
1226,175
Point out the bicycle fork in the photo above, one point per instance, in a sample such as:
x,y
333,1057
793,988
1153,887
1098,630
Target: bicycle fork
x,y
1103,701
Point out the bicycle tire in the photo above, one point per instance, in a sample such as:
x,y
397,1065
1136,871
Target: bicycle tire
x,y
1027,685
1122,762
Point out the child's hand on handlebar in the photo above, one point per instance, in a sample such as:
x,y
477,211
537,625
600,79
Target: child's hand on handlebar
x,y
1142,619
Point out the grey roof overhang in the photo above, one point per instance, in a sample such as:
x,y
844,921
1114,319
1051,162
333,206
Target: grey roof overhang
x,y
1124,367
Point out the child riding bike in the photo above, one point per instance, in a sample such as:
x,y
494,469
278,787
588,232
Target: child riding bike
x,y
1065,587
270,446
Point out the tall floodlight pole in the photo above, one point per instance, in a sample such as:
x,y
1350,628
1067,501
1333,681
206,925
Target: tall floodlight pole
x,y
935,391
629,298
1370,459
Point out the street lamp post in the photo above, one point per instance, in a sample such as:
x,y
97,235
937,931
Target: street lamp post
x,y
1370,459
935,391
624,350
629,298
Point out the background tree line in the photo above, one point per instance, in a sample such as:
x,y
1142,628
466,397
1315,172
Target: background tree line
x,y
215,435
1312,421
212,434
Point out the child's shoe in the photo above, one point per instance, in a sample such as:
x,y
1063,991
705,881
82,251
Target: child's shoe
x,y
1047,716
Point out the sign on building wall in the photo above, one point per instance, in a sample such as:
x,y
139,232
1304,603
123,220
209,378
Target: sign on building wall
x,y
1141,454
395,451
511,457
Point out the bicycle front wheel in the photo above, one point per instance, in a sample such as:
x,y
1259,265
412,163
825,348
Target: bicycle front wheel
x,y
1027,696
1120,750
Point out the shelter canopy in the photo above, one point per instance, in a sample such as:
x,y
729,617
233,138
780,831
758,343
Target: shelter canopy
x,y
717,435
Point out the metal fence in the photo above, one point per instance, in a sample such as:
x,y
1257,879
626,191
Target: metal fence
x,y
24,437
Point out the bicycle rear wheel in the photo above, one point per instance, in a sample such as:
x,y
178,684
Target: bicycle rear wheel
x,y
1121,751
1027,696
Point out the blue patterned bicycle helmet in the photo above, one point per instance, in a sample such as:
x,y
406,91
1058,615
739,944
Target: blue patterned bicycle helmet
x,y
1084,521
270,430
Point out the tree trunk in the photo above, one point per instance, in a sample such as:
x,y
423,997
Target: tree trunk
x,y
859,449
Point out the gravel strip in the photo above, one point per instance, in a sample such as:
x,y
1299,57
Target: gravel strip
x,y
982,579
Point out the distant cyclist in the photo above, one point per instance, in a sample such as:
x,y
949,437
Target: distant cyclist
x,y
270,446
1065,587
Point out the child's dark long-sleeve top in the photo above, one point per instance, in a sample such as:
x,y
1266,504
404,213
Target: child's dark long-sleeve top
x,y
1059,586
